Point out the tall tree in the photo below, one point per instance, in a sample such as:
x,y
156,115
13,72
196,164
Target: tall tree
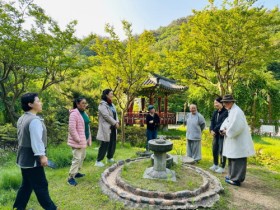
x,y
42,55
123,64
221,46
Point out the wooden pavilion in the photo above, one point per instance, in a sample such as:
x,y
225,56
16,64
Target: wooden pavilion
x,y
157,89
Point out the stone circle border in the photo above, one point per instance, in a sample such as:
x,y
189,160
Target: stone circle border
x,y
204,196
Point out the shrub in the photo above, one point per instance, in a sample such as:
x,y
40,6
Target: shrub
x,y
136,136
57,132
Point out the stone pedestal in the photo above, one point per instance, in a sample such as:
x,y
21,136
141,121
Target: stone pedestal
x,y
159,170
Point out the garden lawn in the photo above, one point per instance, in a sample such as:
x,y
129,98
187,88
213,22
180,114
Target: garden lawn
x,y
261,189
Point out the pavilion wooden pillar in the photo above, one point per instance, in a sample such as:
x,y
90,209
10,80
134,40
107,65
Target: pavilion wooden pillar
x,y
165,123
142,104
159,105
151,98
165,103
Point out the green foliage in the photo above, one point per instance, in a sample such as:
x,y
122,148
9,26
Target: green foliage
x,y
8,129
33,59
136,136
221,46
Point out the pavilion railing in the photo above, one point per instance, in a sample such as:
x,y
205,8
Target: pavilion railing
x,y
140,118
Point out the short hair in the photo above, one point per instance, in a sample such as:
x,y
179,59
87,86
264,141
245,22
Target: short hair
x,y
105,93
77,101
193,105
26,99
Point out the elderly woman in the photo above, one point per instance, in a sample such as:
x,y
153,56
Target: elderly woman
x,y
79,137
195,125
238,144
107,128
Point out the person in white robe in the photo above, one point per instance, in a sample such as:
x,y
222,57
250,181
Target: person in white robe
x,y
238,143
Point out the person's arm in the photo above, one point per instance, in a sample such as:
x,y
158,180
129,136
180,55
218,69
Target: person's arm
x,y
157,120
37,145
105,114
202,122
212,125
237,123
72,127
218,125
147,118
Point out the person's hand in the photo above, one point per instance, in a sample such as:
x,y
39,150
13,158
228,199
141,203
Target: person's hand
x,y
117,125
213,133
223,132
44,160
151,121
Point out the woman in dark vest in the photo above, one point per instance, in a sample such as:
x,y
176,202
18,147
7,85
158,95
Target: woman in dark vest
x,y
31,156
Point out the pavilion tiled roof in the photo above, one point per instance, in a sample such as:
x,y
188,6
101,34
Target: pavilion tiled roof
x,y
163,83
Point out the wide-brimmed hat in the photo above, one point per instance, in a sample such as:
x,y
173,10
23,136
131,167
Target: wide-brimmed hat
x,y
228,98
150,107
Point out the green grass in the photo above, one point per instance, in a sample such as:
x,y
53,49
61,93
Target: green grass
x,y
186,179
264,168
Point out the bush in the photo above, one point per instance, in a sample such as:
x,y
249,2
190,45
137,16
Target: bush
x,y
136,136
57,132
9,130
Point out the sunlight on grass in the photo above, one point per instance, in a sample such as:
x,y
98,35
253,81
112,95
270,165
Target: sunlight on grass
x,y
186,179
89,194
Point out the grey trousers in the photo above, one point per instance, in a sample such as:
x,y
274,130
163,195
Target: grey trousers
x,y
194,149
237,169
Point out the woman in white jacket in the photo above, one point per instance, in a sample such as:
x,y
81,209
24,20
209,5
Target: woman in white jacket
x,y
238,144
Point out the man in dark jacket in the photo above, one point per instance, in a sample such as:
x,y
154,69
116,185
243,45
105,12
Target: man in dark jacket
x,y
152,121
218,118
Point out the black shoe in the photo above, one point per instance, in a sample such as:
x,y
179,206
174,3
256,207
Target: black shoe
x,y
236,183
72,181
79,175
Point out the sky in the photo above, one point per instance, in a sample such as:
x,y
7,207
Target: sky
x,y
92,15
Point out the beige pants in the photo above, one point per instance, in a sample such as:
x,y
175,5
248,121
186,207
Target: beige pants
x,y
77,161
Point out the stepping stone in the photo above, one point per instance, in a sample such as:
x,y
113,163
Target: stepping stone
x,y
183,159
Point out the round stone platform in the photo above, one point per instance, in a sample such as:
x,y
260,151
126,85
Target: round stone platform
x,y
204,196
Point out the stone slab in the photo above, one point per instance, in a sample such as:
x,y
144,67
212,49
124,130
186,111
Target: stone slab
x,y
183,159
168,174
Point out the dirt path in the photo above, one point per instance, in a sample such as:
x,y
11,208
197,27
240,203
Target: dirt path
x,y
255,194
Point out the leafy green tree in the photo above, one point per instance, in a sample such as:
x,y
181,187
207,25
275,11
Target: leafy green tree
x,y
221,46
36,58
123,65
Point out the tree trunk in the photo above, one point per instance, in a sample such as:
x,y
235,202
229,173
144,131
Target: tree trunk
x,y
269,109
253,123
10,114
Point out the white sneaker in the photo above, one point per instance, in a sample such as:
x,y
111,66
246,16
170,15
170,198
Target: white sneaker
x,y
214,167
111,160
220,170
99,164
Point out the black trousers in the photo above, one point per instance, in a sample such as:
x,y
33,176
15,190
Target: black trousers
x,y
217,149
34,179
108,147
